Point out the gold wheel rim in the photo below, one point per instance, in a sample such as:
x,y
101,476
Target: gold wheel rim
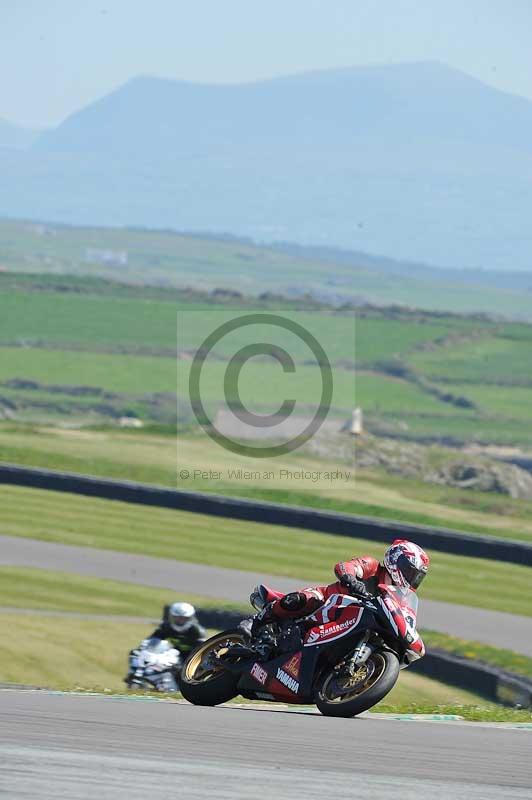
x,y
360,687
197,669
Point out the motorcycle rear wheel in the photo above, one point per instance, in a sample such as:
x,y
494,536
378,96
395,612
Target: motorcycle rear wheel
x,y
371,683
204,683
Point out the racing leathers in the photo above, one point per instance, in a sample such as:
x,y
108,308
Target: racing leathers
x,y
360,576
185,640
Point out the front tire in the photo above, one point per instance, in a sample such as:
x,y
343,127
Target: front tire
x,y
203,681
346,697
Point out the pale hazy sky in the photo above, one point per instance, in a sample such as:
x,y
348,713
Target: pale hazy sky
x,y
58,55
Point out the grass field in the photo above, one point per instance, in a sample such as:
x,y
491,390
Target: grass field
x,y
487,361
151,458
503,402
88,654
119,346
47,590
133,376
67,653
170,259
92,320
230,543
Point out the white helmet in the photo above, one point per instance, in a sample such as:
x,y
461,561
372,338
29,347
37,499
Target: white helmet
x,y
181,616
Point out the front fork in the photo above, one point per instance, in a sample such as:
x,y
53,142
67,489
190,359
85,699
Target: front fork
x,y
359,656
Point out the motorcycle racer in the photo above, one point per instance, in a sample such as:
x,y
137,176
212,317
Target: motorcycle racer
x,y
180,626
404,565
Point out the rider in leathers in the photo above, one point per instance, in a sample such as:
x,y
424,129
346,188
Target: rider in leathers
x,y
405,564
180,627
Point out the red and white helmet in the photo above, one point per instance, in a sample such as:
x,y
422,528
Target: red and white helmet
x,y
407,563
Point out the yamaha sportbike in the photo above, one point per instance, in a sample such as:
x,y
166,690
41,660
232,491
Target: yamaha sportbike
x,y
344,658
155,666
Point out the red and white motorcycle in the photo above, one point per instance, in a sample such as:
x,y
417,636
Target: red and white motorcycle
x,y
345,657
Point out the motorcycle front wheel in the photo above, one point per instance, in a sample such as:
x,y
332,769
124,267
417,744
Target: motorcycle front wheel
x,y
204,681
342,695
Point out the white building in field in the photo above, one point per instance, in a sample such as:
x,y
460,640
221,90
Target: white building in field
x,y
113,258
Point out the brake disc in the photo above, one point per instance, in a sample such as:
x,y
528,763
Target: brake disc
x,y
346,683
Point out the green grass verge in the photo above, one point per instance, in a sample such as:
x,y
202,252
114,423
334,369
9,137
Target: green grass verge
x,y
49,590
150,458
230,543
67,653
506,659
481,712
92,655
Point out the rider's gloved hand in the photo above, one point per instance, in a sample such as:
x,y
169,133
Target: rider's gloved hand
x,y
354,585
262,618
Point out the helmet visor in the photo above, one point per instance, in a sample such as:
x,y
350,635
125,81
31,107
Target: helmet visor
x,y
412,575
178,619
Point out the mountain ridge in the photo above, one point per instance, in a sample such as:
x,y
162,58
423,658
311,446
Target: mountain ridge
x,y
354,101
14,136
417,162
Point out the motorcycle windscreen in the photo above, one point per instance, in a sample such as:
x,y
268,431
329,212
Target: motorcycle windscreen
x,y
402,605
156,646
406,599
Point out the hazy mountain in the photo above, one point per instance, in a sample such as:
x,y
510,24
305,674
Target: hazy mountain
x,y
314,110
14,136
414,161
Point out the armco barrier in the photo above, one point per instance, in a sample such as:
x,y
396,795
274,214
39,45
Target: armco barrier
x,y
475,676
483,679
358,527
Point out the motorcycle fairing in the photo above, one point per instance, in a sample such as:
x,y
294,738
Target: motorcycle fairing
x,y
339,616
155,665
288,676
400,610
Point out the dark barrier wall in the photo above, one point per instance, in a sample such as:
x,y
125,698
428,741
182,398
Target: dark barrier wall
x,y
349,525
475,676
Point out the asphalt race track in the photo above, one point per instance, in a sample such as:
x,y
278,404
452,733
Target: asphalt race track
x,y
65,746
490,627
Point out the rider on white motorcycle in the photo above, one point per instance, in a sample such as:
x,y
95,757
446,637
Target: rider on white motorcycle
x,y
179,626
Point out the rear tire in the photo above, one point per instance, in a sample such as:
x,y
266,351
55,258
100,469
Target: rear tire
x,y
384,668
203,686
